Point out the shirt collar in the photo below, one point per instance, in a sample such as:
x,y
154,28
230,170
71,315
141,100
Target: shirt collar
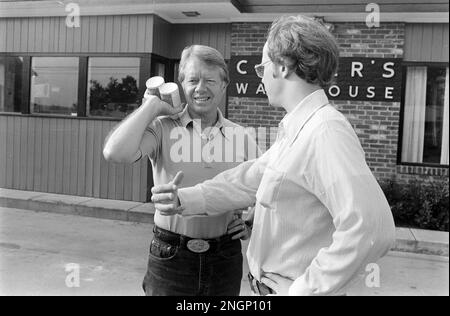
x,y
294,121
220,122
186,119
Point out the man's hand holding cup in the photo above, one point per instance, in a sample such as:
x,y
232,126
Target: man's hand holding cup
x,y
162,108
164,96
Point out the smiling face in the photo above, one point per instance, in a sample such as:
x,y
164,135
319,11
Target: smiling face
x,y
203,87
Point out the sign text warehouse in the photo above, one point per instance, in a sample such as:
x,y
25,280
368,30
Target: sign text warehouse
x,y
363,79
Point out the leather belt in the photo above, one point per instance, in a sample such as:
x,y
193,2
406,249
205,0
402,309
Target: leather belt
x,y
195,245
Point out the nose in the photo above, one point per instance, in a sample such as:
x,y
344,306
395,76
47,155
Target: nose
x,y
201,86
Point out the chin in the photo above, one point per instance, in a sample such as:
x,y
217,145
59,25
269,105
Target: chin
x,y
274,103
201,109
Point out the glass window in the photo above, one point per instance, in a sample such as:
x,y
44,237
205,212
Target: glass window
x,y
54,85
434,110
159,69
425,122
11,83
113,86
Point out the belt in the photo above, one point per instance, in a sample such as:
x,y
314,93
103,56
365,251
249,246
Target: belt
x,y
195,245
258,287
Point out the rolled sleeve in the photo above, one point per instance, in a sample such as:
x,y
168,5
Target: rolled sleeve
x,y
151,140
192,200
232,189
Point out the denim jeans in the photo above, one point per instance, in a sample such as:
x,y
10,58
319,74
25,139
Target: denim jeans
x,y
176,271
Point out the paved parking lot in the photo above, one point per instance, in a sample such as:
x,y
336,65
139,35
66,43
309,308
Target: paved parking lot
x,y
36,248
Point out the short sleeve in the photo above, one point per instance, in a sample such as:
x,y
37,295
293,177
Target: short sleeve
x,y
151,140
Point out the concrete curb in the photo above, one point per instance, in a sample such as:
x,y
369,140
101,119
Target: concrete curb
x,y
82,206
422,241
408,239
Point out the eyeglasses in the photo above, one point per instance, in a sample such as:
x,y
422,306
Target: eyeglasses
x,y
259,69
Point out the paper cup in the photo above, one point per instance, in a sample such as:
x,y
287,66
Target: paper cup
x,y
153,85
170,94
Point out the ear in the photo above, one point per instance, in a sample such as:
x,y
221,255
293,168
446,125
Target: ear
x,y
284,71
280,71
276,70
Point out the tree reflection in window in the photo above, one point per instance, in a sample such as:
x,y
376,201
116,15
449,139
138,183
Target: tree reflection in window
x,y
116,99
113,86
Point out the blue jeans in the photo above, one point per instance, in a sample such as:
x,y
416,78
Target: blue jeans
x,y
174,270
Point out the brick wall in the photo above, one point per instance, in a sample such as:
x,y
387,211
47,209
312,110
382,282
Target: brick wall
x,y
376,123
249,39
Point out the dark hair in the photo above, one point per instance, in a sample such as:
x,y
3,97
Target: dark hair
x,y
306,47
206,54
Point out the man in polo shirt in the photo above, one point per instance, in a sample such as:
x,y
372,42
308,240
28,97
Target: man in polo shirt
x,y
320,215
197,255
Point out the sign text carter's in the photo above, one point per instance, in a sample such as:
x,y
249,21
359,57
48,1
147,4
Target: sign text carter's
x,y
362,79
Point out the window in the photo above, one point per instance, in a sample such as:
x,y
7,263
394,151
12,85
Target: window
x,y
159,69
54,85
113,86
426,117
11,69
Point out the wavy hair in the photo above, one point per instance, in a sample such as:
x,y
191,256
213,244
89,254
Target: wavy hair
x,y
306,47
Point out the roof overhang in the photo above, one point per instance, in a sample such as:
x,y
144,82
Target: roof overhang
x,y
226,11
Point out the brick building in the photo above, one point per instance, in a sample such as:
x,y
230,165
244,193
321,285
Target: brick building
x,y
377,124
392,84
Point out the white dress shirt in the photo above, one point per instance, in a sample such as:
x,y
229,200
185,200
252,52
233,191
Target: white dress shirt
x,y
320,214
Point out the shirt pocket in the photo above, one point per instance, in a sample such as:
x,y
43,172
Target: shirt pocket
x,y
269,188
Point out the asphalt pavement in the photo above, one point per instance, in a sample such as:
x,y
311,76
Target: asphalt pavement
x,y
407,239
61,254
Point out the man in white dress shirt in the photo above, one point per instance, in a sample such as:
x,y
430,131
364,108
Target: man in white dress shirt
x,y
320,214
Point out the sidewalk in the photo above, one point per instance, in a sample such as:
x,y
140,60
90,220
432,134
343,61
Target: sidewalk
x,y
408,239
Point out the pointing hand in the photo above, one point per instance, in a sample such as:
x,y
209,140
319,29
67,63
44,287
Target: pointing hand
x,y
165,196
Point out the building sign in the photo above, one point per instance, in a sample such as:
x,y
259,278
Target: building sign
x,y
362,79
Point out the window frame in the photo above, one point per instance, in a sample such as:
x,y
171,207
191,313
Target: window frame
x,y
405,66
84,71
26,70
27,105
144,74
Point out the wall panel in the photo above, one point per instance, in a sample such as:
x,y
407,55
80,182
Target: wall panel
x,y
64,156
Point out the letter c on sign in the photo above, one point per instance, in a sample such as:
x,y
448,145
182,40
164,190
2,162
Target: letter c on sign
x,y
238,67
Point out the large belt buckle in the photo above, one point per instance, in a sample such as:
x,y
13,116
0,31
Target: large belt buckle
x,y
198,245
